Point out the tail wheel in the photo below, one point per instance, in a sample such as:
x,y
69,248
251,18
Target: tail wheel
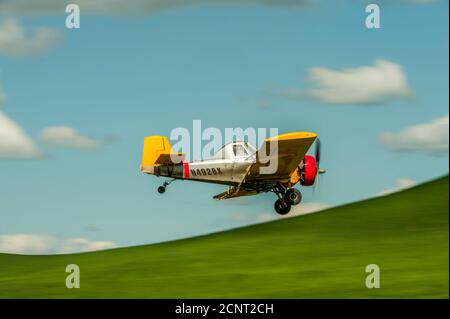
x,y
161,189
282,207
293,196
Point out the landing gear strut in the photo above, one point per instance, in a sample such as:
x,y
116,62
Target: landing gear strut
x,y
162,189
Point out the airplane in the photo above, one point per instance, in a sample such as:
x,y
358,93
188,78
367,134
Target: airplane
x,y
239,165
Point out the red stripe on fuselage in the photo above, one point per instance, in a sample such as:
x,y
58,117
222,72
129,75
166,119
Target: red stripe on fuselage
x,y
186,169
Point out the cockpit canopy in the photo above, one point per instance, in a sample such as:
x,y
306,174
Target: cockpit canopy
x,y
233,150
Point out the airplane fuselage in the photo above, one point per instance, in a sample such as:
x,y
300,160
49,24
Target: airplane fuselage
x,y
219,171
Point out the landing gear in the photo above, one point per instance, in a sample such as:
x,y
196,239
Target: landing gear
x,y
162,189
282,206
293,196
286,198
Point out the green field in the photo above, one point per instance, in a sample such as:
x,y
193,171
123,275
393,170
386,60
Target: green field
x,y
321,255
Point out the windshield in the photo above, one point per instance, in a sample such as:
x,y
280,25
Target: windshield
x,y
239,150
250,148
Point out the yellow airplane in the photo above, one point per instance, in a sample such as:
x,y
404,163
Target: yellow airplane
x,y
240,166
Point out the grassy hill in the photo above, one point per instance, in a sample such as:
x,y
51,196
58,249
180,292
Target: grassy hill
x,y
321,255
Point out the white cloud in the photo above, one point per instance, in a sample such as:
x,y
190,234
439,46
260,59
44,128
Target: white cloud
x,y
66,137
120,7
430,137
400,184
46,244
25,244
298,210
71,245
375,84
14,142
14,40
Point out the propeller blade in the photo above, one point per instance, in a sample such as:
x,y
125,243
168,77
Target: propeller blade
x,y
318,154
318,151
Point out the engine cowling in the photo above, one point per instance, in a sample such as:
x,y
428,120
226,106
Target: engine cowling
x,y
309,171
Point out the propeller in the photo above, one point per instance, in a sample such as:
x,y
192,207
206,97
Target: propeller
x,y
319,170
309,167
318,151
318,154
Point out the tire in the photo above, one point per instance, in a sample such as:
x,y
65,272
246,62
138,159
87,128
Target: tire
x,y
161,189
293,196
282,207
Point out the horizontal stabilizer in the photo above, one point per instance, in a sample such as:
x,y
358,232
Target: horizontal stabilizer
x,y
170,159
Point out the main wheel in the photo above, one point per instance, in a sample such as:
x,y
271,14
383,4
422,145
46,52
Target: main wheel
x,y
161,189
282,207
294,196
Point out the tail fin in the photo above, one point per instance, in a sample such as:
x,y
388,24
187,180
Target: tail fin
x,y
158,151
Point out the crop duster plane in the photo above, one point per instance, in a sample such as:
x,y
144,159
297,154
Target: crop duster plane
x,y
240,166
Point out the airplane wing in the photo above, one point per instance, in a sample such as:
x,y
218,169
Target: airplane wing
x,y
233,192
279,157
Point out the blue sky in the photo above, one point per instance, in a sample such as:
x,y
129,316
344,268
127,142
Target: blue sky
x,y
120,78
